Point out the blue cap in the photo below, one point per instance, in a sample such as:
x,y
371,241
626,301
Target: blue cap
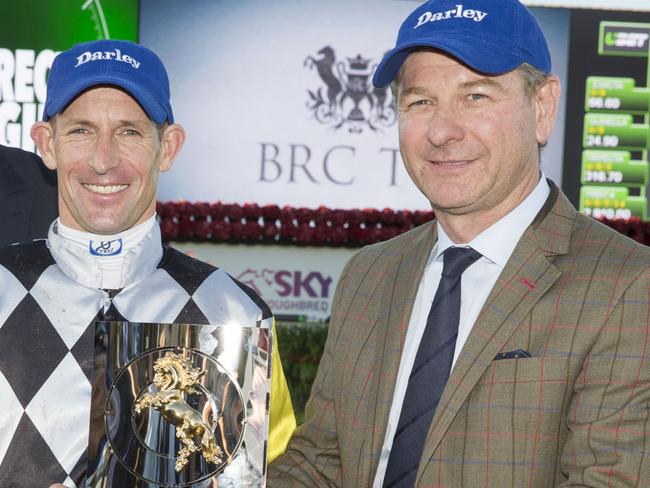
x,y
132,67
490,36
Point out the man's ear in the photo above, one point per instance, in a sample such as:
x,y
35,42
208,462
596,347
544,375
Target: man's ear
x,y
43,135
546,102
171,144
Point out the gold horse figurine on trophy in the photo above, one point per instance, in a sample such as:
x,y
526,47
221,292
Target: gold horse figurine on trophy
x,y
174,376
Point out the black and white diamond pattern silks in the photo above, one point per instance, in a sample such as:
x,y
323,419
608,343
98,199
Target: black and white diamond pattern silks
x,y
47,339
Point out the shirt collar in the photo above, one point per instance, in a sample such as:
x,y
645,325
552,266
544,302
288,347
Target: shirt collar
x,y
497,242
78,264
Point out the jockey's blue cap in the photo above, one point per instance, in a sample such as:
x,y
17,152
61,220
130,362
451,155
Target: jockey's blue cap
x,y
489,36
124,64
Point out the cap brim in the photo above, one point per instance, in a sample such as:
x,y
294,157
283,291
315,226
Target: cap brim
x,y
152,108
479,56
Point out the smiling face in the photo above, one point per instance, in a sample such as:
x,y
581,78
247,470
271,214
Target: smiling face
x,y
108,154
470,141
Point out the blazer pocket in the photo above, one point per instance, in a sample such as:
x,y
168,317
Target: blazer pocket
x,y
519,388
519,405
524,370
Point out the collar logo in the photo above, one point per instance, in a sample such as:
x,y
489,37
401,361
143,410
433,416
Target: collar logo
x,y
454,13
105,248
115,55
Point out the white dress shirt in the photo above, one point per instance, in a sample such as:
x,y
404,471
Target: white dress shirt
x,y
496,244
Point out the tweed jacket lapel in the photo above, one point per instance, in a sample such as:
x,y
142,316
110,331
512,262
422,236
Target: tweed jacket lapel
x,y
402,280
15,193
528,274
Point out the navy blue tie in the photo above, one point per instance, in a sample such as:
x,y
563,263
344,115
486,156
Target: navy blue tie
x,y
430,371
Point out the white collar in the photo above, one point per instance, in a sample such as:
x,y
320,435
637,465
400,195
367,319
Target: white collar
x,y
77,263
497,242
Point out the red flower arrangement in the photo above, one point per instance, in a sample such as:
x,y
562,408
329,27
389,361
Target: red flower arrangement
x,y
270,224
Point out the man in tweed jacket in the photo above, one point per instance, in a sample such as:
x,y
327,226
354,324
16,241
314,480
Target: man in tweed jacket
x,y
550,384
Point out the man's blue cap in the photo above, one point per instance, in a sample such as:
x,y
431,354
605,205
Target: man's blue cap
x,y
489,36
134,68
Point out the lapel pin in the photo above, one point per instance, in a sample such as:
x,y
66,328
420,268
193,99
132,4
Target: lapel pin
x,y
527,283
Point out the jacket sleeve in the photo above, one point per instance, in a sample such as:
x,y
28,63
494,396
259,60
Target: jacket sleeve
x,y
312,457
609,414
282,420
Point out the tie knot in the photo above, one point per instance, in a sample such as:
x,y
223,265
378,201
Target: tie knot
x,y
457,259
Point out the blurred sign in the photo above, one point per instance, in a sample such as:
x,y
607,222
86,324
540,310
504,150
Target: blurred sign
x,y
298,282
616,127
31,34
624,39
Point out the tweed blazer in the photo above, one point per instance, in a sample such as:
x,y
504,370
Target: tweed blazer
x,y
574,294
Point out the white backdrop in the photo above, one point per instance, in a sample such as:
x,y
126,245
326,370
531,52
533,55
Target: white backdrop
x,y
642,5
241,74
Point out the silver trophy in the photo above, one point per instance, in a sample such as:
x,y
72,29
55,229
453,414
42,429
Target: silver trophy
x,y
179,405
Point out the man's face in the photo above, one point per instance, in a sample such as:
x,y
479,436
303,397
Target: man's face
x,y
107,154
469,141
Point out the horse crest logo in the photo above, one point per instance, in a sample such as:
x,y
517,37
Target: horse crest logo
x,y
175,377
347,98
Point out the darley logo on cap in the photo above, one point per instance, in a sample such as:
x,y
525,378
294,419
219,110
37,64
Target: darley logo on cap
x,y
116,55
454,13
